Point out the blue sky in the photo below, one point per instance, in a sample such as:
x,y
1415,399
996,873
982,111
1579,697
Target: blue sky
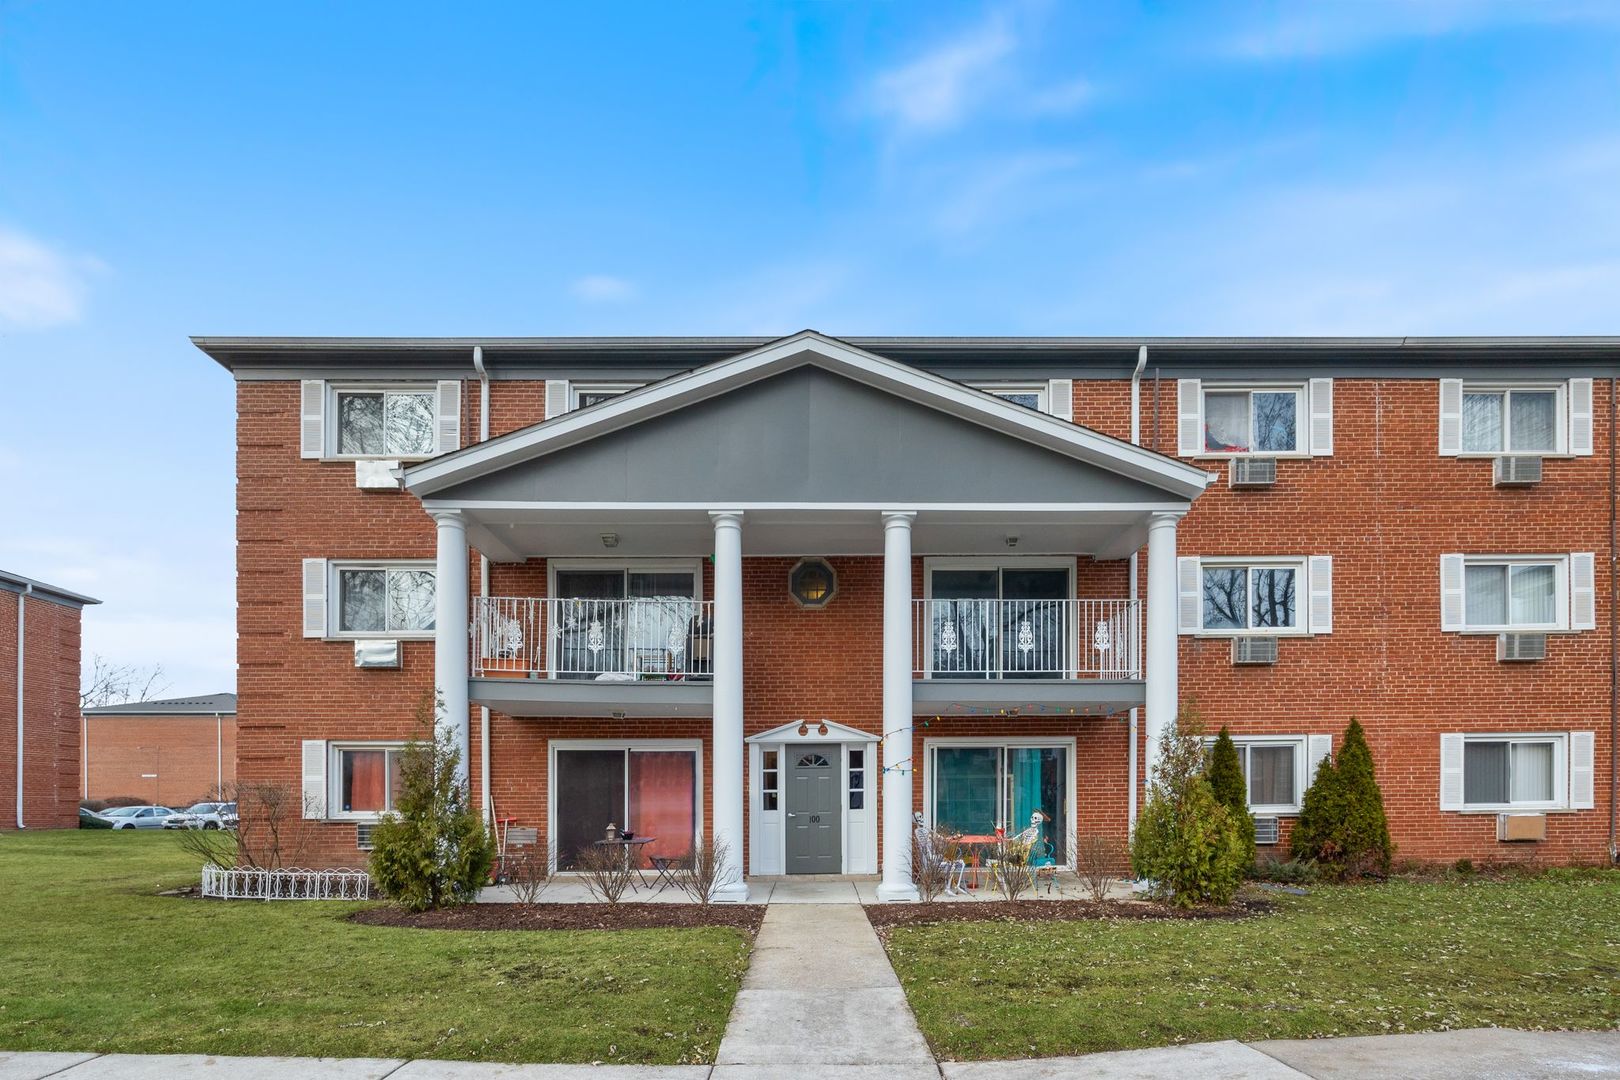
x,y
1008,168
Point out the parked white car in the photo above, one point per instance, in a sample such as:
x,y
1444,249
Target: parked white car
x,y
203,815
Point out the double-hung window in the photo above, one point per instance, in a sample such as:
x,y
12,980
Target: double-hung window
x,y
1273,772
394,423
1259,598
383,600
1257,421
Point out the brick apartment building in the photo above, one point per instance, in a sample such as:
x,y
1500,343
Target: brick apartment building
x,y
789,592
172,752
39,696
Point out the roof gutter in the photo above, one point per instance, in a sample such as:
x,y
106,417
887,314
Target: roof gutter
x,y
22,624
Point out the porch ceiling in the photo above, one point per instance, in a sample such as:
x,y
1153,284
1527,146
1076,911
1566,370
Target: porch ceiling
x,y
514,534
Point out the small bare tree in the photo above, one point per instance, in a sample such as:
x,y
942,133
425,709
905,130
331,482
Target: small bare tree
x,y
1011,871
931,868
704,870
210,847
114,684
274,833
526,872
607,871
1097,859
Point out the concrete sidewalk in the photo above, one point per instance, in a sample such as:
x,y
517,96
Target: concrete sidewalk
x,y
1480,1054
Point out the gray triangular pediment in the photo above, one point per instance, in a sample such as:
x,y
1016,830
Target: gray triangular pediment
x,y
806,435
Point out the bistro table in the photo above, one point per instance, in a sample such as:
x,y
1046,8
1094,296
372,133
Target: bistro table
x,y
632,853
977,843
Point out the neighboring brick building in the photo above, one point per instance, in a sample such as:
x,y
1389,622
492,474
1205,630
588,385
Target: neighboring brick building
x,y
39,698
774,590
172,752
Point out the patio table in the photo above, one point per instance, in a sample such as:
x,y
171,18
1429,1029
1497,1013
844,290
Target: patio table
x,y
632,851
977,842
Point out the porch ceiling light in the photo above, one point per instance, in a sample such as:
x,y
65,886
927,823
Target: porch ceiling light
x,y
812,583
610,540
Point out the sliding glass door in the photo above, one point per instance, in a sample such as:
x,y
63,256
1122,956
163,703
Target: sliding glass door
x,y
623,621
977,788
1000,623
652,793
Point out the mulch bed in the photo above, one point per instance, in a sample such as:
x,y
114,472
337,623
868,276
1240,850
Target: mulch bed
x,y
887,916
745,917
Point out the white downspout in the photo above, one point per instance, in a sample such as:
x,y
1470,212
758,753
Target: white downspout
x,y
22,604
483,590
1136,438
219,757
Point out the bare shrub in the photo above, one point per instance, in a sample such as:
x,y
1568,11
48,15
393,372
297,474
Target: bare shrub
x,y
934,862
1097,859
210,847
704,870
1011,870
273,832
526,872
606,870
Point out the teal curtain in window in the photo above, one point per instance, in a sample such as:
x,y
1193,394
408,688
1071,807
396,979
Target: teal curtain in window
x,y
965,789
1037,779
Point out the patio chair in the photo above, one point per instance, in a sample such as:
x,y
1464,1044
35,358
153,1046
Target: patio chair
x,y
955,869
1040,864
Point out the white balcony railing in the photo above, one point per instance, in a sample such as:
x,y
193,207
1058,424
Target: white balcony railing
x,y
657,638
1027,639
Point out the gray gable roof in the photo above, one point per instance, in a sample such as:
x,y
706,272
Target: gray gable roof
x,y
205,705
16,583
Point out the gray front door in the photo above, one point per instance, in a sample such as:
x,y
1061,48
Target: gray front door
x,y
814,840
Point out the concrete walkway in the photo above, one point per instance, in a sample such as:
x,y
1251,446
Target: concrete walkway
x,y
820,999
1480,1054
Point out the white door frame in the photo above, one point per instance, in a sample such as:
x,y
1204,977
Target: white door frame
x,y
767,829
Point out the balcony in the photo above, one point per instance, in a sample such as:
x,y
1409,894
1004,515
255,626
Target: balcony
x,y
534,656
1016,654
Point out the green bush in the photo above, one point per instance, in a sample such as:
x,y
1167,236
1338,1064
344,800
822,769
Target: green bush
x,y
432,850
1225,777
1341,825
1186,842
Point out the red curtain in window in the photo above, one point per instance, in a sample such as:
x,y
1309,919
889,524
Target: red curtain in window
x,y
363,779
663,789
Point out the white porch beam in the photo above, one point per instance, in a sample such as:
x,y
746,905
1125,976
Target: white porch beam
x,y
727,792
450,638
898,769
1162,692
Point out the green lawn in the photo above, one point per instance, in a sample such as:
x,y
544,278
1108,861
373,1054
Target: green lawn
x,y
1342,961
91,959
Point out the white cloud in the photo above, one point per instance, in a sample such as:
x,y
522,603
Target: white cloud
x,y
1311,30
1010,185
40,287
602,289
935,91
1064,97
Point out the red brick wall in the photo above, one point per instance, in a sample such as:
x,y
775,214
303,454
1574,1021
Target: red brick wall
x,y
1385,506
50,713
188,754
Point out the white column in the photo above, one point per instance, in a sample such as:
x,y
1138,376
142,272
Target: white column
x,y
898,768
450,621
1163,695
727,782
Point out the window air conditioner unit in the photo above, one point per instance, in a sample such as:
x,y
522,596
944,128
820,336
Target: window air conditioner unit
x,y
1266,830
1254,650
362,835
378,476
1518,828
1518,648
376,653
1253,472
1516,472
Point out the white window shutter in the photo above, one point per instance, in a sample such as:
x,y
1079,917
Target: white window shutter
x,y
1322,417
1451,772
1060,399
315,598
449,415
1190,417
1451,397
1190,594
1452,611
1320,575
1580,770
556,397
1582,591
314,778
312,418
1317,750
1580,416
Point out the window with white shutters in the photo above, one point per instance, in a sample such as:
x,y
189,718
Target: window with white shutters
x,y
1489,419
1501,772
1238,595
1498,594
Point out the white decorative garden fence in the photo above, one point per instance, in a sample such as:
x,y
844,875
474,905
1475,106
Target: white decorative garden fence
x,y
289,883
